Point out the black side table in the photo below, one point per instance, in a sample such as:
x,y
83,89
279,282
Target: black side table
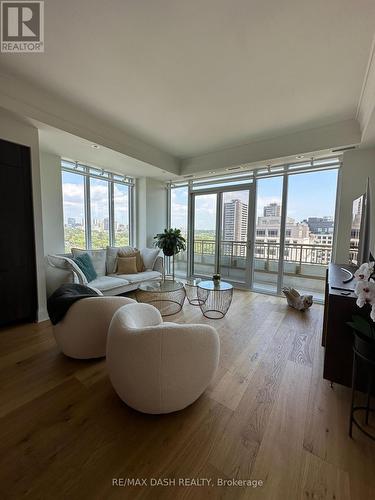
x,y
359,356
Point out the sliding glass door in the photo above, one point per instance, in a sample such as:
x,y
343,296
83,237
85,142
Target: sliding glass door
x,y
204,254
221,240
234,236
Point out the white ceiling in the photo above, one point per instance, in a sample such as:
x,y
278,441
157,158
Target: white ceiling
x,y
75,148
196,76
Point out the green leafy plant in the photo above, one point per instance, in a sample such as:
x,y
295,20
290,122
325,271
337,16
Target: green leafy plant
x,y
362,326
171,242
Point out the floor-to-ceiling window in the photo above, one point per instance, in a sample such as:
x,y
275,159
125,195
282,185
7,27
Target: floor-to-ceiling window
x,y
266,228
73,185
267,233
179,220
97,207
309,230
121,215
99,212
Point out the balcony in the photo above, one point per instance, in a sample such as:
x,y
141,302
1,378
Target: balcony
x,y
304,264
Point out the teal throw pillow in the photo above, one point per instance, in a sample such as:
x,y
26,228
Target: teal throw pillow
x,y
84,262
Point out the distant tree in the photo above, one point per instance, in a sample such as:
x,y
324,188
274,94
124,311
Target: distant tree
x,y
75,238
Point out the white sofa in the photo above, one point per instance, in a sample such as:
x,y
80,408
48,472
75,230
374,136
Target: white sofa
x,y
158,367
62,269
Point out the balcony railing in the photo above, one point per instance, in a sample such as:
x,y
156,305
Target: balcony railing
x,y
299,253
304,264
353,253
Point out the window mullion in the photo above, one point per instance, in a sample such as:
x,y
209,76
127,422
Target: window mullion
x,y
88,213
284,202
111,212
131,211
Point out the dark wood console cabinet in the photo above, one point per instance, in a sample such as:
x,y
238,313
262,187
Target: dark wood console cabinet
x,y
337,336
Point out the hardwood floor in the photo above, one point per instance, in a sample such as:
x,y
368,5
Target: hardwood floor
x,y
268,415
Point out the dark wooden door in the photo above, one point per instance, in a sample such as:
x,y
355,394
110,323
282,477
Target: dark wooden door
x,y
18,291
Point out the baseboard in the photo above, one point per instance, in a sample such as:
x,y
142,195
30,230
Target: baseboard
x,y
42,315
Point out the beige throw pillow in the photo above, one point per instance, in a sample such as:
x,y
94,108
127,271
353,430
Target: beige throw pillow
x,y
127,265
135,253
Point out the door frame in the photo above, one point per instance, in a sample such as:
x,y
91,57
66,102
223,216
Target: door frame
x,y
219,192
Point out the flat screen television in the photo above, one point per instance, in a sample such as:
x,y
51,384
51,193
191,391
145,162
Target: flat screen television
x,y
360,236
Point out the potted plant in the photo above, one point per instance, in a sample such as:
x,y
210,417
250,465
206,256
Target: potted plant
x,y
171,242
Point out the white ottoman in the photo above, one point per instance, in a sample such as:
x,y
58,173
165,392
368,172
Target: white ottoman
x,y
158,367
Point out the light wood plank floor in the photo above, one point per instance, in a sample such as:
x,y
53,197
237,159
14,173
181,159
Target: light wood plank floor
x,y
268,415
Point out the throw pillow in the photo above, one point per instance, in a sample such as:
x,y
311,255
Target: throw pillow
x,y
149,256
127,265
84,262
112,257
98,258
137,254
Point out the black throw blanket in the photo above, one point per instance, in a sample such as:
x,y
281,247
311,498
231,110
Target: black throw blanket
x,y
60,301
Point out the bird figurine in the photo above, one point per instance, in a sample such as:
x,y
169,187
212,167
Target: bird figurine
x,y
294,299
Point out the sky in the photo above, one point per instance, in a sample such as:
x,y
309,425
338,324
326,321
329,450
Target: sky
x,y
309,195
73,196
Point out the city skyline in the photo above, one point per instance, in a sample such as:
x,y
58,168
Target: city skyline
x,y
73,199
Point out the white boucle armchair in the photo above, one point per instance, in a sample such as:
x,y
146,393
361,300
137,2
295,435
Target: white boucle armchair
x,y
82,333
157,367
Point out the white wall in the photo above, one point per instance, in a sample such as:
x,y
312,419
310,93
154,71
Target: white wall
x,y
13,129
52,204
151,210
306,141
357,166
156,209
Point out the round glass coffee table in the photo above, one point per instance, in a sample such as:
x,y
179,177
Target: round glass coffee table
x,y
214,298
168,296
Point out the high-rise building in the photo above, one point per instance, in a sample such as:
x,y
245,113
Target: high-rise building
x,y
272,210
268,229
71,221
321,225
235,220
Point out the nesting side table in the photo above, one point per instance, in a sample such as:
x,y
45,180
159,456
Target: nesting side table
x,y
214,298
168,296
191,287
